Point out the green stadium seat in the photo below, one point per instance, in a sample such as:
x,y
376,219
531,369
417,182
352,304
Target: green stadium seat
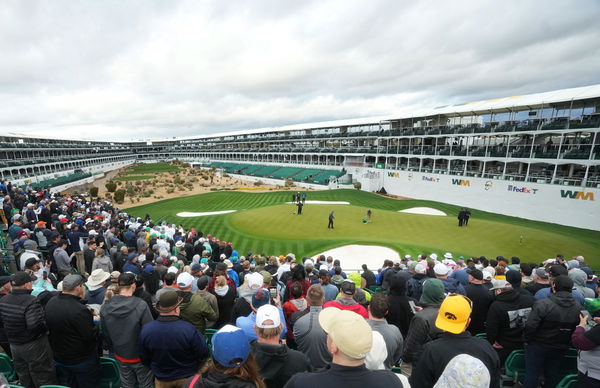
x,y
54,386
514,366
569,381
110,373
481,335
208,334
7,367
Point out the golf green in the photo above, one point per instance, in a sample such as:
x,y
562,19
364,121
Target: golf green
x,y
265,223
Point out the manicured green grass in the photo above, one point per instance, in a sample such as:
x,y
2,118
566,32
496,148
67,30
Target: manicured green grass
x,y
133,178
265,224
150,168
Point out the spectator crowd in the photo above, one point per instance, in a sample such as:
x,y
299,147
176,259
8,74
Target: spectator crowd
x,y
176,307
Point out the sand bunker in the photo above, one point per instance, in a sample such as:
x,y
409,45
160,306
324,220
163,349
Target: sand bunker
x,y
193,214
325,202
423,210
351,257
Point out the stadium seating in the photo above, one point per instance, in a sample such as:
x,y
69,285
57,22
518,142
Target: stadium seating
x,y
62,180
7,367
110,373
569,381
514,366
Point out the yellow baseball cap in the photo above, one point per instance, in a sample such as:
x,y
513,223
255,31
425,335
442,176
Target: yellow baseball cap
x,y
348,331
454,314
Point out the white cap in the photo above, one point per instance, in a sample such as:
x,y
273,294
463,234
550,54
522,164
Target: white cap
x,y
266,313
433,256
441,269
396,261
228,263
92,233
448,255
308,262
172,269
184,280
408,257
448,262
324,266
255,280
421,268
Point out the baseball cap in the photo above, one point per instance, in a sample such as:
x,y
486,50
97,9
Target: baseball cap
x,y
196,267
228,263
421,268
184,280
260,298
267,313
348,287
448,255
267,277
21,278
477,274
441,269
454,314
4,280
21,233
168,302
557,270
230,346
71,281
348,330
498,284
172,269
126,279
573,264
513,276
255,280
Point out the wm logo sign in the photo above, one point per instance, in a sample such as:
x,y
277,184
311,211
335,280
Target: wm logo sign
x,y
461,182
577,195
393,174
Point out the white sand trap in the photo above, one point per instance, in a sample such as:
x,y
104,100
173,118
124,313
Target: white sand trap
x,y
193,214
325,202
351,257
428,211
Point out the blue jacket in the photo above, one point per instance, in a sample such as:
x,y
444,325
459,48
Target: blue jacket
x,y
247,325
453,286
547,291
130,267
173,349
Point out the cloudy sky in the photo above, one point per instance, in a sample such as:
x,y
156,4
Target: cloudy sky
x,y
141,69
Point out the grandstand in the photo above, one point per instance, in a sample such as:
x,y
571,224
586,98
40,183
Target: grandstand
x,y
543,146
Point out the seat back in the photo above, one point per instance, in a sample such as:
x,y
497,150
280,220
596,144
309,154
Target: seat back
x,y
110,373
569,381
7,367
515,365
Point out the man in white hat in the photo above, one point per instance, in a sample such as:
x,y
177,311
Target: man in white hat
x,y
96,286
194,308
349,340
451,286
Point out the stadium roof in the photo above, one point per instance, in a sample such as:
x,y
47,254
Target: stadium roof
x,y
530,101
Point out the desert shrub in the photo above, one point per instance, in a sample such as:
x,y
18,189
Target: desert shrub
x,y
170,190
120,196
357,185
259,183
110,186
288,182
94,191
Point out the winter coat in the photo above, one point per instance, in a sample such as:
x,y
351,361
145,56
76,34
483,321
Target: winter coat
x,y
278,363
414,285
176,355
422,330
399,312
506,319
73,334
122,318
453,286
552,321
437,354
22,317
196,310
103,263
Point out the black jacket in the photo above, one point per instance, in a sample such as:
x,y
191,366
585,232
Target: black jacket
x,y
399,312
482,298
278,363
22,317
553,320
506,318
73,334
437,354
369,278
334,376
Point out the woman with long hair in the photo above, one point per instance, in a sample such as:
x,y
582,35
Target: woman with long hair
x,y
233,364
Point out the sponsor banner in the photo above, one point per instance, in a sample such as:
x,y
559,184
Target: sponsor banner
x,y
584,196
461,182
430,179
393,174
488,185
522,189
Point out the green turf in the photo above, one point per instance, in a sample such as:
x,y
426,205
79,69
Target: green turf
x,y
133,177
265,224
150,168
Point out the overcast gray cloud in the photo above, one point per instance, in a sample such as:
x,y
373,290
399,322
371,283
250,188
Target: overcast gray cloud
x,y
152,69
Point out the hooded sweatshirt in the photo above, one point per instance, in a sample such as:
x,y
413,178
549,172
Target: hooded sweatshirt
x,y
579,279
121,319
278,363
453,286
399,312
102,262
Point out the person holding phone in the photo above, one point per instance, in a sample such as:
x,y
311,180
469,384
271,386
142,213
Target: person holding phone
x,y
587,340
